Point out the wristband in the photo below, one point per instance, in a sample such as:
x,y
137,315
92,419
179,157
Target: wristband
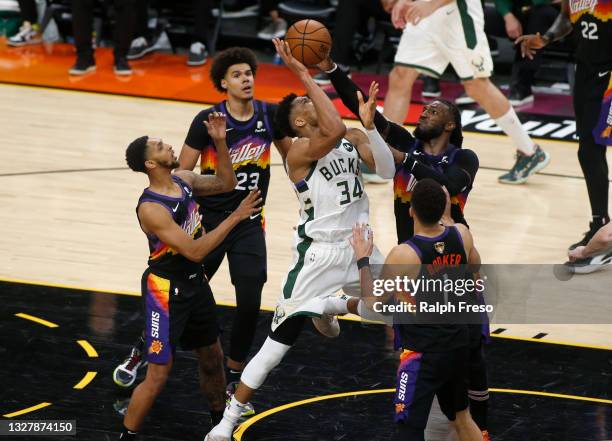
x,y
332,69
363,262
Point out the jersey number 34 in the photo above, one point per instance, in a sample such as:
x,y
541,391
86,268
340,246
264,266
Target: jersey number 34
x,y
346,193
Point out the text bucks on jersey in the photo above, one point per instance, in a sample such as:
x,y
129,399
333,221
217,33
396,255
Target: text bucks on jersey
x,y
332,197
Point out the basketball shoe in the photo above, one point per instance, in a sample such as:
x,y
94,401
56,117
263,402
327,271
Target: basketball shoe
x,y
246,411
125,374
525,166
590,264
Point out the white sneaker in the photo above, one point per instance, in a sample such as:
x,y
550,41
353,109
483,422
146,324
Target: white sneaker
x,y
26,36
197,54
211,437
327,325
276,29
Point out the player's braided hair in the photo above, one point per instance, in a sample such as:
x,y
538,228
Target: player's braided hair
x,y
230,56
282,119
135,154
456,137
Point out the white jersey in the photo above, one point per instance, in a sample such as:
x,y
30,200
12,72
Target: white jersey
x,y
332,196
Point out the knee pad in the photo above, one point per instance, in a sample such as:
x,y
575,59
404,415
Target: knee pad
x,y
268,357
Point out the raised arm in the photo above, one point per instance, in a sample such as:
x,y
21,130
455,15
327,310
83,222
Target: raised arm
x,y
396,135
330,127
224,179
376,147
155,219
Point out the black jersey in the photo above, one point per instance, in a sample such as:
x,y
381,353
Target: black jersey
x,y
443,258
404,182
249,148
184,211
592,20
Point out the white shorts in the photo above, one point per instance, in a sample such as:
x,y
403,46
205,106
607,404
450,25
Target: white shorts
x,y
452,34
317,270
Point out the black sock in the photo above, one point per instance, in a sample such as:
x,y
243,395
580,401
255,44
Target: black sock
x,y
140,343
478,410
232,376
216,416
128,435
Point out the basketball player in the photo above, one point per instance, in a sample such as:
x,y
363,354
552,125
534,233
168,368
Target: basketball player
x,y
592,102
440,32
323,164
443,159
435,357
434,152
179,306
250,133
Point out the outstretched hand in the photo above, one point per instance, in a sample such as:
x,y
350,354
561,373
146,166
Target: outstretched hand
x,y
216,125
362,240
367,110
250,206
284,51
530,44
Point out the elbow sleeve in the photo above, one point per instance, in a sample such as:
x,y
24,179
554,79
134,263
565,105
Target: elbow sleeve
x,y
383,158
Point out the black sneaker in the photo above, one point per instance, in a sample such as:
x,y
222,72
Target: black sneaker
x,y
593,228
431,87
122,67
197,54
83,65
520,98
139,48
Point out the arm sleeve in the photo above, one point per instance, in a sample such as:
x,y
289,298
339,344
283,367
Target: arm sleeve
x,y
198,137
456,178
383,158
396,135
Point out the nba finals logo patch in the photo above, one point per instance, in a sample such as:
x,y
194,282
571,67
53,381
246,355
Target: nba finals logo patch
x,y
156,347
439,247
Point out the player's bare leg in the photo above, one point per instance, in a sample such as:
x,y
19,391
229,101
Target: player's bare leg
x,y
397,100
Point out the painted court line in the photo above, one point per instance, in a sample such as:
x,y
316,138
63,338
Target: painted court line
x,y
37,320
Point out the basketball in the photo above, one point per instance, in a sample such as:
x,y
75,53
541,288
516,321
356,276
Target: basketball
x,y
309,41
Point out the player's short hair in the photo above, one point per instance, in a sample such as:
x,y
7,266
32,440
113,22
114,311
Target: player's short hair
x,y
456,137
135,154
230,56
428,201
282,119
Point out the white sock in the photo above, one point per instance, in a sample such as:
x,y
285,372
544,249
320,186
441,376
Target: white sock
x,y
511,125
336,305
230,418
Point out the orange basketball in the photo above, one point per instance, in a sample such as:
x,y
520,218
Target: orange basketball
x,y
309,41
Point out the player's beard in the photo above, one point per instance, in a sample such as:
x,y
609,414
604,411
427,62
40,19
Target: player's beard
x,y
429,133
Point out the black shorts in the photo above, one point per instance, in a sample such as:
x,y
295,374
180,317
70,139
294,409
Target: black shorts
x,y
421,376
589,106
177,311
245,247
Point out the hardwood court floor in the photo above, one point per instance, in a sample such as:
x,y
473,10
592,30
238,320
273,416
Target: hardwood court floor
x,y
68,199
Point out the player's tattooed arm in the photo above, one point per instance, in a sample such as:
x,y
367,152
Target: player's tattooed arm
x,y
224,179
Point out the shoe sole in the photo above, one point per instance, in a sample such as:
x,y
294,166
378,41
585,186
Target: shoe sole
x,y
523,102
123,73
28,43
524,179
141,54
585,269
431,94
82,72
119,383
464,102
197,63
